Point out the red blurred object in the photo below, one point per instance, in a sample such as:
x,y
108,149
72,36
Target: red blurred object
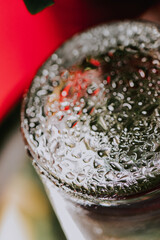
x,y
27,40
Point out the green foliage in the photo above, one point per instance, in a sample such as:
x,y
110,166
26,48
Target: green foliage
x,y
35,6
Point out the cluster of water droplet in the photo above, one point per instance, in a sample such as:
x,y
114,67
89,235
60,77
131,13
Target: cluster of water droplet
x,y
95,126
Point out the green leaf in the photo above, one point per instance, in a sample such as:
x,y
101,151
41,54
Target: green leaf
x,y
35,6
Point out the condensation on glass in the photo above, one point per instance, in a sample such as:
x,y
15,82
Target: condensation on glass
x,y
91,121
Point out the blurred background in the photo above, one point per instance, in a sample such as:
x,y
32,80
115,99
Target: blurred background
x,y
26,41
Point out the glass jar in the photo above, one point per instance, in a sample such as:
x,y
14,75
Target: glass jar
x,y
94,135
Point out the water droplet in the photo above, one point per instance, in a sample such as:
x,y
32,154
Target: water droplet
x,y
81,178
116,166
76,153
110,176
70,175
72,120
70,143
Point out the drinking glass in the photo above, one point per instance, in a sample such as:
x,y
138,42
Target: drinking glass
x,y
108,193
